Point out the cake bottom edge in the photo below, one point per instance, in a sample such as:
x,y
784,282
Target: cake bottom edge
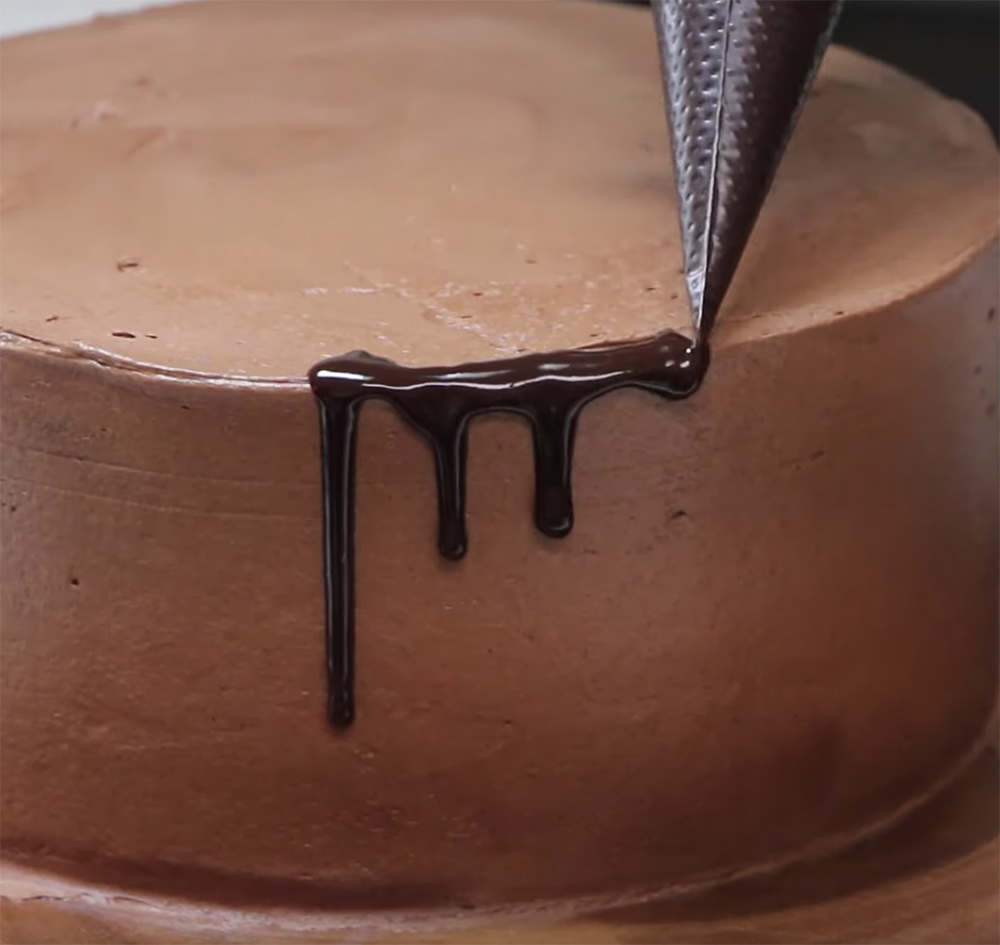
x,y
36,903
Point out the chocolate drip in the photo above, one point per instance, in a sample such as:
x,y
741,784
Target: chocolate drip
x,y
549,390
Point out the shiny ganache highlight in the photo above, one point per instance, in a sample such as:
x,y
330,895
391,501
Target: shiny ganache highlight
x,y
548,390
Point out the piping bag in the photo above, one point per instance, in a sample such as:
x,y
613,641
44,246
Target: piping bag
x,y
735,76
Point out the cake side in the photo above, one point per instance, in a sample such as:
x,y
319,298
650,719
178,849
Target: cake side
x,y
773,623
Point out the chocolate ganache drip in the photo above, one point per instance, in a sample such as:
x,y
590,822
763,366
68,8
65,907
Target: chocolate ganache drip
x,y
735,75
548,390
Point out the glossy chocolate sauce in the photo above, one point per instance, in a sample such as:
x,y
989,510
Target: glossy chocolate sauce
x,y
548,390
735,75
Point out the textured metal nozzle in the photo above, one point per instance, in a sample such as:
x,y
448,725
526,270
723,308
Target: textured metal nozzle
x,y
735,74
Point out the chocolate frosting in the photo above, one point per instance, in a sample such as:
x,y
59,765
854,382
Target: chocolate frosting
x,y
737,641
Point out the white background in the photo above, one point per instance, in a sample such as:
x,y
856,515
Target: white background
x,y
23,16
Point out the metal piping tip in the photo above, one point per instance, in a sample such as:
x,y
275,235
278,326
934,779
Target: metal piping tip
x,y
735,74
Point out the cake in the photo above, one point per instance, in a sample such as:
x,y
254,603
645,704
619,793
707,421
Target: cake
x,y
772,630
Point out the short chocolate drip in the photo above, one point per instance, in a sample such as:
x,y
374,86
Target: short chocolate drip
x,y
549,390
553,429
449,458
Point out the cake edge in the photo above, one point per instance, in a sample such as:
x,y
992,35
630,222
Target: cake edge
x,y
732,335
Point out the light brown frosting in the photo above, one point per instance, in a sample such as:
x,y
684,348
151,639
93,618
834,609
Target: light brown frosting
x,y
775,621
430,182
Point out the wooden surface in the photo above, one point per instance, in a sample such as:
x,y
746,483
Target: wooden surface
x,y
935,878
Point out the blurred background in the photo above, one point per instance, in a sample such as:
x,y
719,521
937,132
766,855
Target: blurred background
x,y
953,45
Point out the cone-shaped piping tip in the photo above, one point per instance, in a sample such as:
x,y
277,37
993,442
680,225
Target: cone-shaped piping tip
x,y
735,74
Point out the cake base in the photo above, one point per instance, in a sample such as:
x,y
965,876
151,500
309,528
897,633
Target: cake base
x,y
933,877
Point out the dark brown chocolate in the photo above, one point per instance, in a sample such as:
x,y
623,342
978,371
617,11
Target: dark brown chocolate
x,y
548,390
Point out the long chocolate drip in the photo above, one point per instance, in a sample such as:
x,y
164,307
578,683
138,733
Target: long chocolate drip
x,y
549,390
338,433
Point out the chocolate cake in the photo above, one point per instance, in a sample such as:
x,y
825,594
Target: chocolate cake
x,y
772,629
